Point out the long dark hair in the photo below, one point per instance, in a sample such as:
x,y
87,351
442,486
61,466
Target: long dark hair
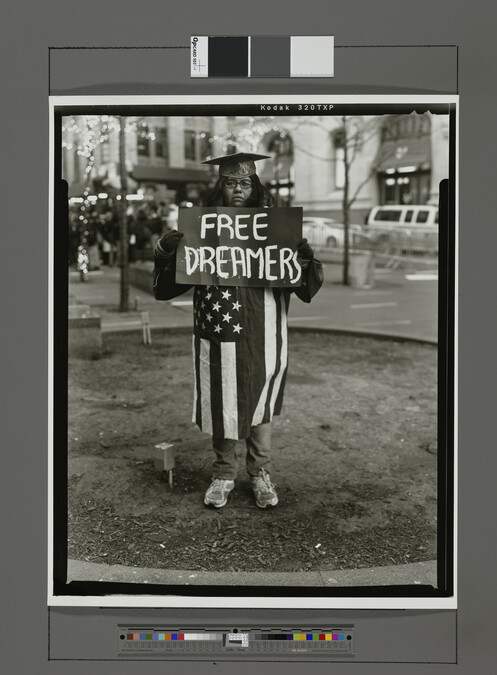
x,y
260,194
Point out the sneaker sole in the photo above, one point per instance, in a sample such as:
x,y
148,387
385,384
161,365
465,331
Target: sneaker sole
x,y
215,506
268,505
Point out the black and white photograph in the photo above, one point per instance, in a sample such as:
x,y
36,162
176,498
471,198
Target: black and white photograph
x,y
253,350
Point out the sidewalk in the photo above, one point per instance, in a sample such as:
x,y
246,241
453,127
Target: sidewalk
x,y
397,306
421,573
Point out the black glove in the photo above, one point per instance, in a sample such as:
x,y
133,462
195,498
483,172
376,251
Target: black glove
x,y
170,241
304,250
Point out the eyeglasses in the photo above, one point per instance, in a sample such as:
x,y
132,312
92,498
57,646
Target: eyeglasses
x,y
231,183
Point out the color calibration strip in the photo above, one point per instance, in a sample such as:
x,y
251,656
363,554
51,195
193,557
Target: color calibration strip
x,y
262,56
299,636
157,642
174,636
235,636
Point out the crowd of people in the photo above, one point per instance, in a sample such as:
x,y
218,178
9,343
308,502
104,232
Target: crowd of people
x,y
96,230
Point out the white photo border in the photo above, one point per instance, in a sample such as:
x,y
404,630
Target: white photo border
x,y
58,598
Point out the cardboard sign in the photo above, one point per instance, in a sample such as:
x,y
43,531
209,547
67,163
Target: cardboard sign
x,y
229,246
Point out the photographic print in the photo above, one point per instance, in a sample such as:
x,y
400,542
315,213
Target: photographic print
x,y
252,349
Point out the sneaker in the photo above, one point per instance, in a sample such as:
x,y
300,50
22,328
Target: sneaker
x,y
217,492
264,492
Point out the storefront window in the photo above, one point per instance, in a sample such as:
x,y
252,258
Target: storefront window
x,y
406,190
396,188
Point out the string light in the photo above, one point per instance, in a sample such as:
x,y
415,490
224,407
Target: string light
x,y
248,136
83,262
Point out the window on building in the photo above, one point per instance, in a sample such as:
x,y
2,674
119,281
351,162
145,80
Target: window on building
x,y
423,125
198,145
396,127
204,145
339,159
190,145
406,126
161,142
389,129
143,143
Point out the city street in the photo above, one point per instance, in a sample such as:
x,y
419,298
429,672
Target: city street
x,y
402,303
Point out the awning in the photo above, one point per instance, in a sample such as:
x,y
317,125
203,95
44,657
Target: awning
x,y
404,152
170,174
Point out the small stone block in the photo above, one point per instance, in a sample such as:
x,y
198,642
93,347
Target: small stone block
x,y
169,459
159,463
164,457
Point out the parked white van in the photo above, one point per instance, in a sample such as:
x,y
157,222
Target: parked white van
x,y
404,228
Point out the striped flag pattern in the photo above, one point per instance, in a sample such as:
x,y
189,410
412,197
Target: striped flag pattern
x,y
240,357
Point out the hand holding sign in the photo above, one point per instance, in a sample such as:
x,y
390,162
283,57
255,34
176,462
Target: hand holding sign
x,y
240,246
170,241
304,250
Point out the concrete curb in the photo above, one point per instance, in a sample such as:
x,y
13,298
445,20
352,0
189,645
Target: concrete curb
x,y
137,328
422,573
360,333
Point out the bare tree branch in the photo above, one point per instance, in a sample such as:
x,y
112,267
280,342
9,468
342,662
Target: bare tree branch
x,y
360,186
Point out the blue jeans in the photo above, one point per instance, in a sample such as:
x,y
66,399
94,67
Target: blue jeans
x,y
258,453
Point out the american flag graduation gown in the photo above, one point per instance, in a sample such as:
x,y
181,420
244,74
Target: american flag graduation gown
x,y
240,348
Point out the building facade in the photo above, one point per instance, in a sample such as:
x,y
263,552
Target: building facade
x,y
385,159
163,157
389,159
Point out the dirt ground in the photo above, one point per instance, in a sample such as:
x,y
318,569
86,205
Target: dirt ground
x,y
354,460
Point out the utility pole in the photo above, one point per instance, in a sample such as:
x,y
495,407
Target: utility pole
x,y
123,225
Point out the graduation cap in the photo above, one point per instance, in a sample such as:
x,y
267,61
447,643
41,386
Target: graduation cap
x,y
238,165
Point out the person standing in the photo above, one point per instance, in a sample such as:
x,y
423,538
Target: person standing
x,y
240,344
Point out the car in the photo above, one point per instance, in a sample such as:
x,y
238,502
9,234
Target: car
x,y
400,228
327,233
